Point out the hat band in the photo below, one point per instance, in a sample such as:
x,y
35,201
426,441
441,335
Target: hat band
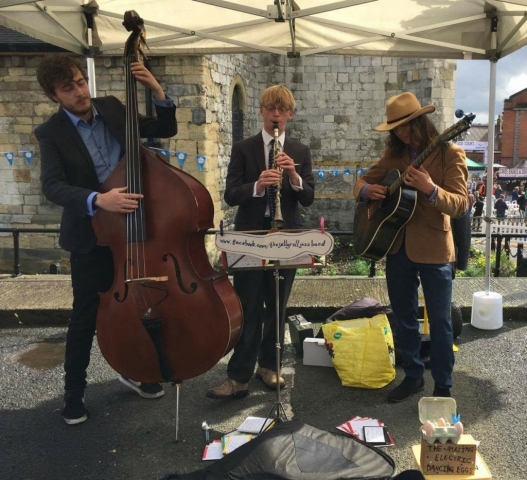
x,y
400,118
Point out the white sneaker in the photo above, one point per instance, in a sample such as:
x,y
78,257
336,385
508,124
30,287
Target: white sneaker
x,y
145,390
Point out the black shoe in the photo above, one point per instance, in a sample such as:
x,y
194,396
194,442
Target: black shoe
x,y
406,389
146,390
74,411
441,392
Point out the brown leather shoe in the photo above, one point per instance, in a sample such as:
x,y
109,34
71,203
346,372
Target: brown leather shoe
x,y
269,378
229,389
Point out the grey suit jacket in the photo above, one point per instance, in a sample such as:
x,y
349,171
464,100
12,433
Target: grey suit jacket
x,y
247,162
67,172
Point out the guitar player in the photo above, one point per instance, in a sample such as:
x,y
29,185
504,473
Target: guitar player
x,y
423,250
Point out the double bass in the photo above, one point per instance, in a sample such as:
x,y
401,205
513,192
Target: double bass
x,y
169,316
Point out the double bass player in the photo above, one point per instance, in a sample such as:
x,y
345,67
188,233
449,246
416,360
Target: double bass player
x,y
80,145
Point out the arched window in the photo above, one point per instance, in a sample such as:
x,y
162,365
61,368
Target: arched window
x,y
237,114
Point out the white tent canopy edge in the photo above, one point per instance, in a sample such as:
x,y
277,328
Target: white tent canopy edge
x,y
455,29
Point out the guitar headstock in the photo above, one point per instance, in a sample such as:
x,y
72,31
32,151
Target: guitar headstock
x,y
136,41
459,127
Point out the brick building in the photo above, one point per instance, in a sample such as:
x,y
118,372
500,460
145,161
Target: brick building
x,y
514,138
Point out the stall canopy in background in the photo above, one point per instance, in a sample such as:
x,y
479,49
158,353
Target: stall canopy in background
x,y
473,165
518,172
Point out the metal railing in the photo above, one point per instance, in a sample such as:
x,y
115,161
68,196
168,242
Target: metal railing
x,y
17,231
16,242
497,239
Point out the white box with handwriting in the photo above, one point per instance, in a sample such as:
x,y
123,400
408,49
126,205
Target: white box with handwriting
x,y
316,353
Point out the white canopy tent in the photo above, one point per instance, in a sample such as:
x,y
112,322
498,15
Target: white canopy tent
x,y
455,29
403,28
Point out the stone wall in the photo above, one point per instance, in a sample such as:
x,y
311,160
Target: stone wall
x,y
339,102
226,72
22,108
340,99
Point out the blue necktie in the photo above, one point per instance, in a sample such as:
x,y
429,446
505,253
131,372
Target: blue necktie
x,y
271,190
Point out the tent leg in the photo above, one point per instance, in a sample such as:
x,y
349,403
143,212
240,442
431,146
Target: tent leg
x,y
90,67
490,172
487,308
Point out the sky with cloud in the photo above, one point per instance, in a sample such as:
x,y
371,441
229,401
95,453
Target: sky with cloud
x,y
473,80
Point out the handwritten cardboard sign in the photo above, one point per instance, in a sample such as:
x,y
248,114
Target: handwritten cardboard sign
x,y
278,245
449,458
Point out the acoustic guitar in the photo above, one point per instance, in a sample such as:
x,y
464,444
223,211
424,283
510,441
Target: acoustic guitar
x,y
377,223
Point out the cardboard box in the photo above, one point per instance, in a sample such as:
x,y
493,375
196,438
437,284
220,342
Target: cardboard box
x,y
481,470
447,455
316,353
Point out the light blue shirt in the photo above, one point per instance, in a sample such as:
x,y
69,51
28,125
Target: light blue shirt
x,y
103,147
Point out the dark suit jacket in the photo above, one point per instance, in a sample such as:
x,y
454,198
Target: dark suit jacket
x,y
67,172
247,162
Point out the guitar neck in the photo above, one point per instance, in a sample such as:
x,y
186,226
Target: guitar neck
x,y
456,129
417,162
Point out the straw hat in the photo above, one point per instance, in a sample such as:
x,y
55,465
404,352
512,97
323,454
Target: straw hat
x,y
401,109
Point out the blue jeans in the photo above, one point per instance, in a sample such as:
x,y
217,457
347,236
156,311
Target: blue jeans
x,y
402,276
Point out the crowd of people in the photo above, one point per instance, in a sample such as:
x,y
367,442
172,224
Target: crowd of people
x,y
506,200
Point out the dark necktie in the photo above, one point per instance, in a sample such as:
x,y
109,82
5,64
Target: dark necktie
x,y
271,190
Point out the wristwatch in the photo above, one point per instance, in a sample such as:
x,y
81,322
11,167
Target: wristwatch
x,y
93,206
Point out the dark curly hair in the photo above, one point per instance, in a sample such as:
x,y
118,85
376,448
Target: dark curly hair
x,y
422,130
56,70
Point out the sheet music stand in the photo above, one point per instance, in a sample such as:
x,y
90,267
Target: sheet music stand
x,y
278,406
294,244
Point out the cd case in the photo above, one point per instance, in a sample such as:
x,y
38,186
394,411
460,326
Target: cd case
x,y
377,436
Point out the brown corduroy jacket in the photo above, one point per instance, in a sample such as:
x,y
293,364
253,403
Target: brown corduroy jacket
x,y
428,232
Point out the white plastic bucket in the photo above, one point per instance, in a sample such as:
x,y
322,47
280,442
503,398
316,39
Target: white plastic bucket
x,y
487,310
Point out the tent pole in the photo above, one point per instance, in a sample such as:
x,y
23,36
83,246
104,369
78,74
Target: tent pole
x,y
490,150
487,306
490,172
90,67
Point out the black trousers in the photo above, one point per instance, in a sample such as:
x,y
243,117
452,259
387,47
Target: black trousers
x,y
256,290
91,273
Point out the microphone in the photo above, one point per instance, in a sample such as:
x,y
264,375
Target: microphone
x,y
459,113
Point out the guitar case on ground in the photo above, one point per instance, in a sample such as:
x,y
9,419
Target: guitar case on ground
x,y
293,450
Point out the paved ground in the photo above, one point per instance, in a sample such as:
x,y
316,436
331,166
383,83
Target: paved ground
x,y
131,438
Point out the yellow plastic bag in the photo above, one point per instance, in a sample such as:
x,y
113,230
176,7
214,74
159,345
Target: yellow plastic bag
x,y
362,351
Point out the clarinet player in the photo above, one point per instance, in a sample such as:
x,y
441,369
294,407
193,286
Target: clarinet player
x,y
250,181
